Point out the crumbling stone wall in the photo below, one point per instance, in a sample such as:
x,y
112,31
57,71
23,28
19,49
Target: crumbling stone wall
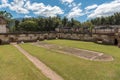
x,y
30,37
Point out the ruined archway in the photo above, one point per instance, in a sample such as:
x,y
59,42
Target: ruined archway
x,y
45,37
11,39
115,42
38,38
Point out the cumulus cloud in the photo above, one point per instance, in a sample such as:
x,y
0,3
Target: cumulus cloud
x,y
49,11
4,3
73,9
18,6
25,6
15,5
43,10
34,6
106,9
75,12
91,7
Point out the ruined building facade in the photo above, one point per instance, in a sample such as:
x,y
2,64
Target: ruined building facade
x,y
3,25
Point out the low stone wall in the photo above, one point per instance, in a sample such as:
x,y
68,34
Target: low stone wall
x,y
30,37
75,36
106,39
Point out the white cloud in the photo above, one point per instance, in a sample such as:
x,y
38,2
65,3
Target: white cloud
x,y
91,7
34,6
73,9
27,16
106,9
25,6
67,1
43,10
15,5
75,12
4,3
49,11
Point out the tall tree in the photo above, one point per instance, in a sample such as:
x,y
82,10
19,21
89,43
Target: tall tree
x,y
64,22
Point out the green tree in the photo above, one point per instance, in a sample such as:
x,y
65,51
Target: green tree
x,y
16,24
110,20
28,26
64,22
88,25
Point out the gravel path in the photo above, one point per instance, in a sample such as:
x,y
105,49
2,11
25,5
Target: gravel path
x,y
85,54
41,66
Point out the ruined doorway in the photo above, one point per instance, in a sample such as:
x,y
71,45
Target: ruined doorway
x,y
45,37
11,39
0,41
115,42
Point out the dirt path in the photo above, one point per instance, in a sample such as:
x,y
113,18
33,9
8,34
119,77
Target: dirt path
x,y
41,66
86,54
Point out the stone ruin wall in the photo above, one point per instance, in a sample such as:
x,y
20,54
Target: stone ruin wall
x,y
8,38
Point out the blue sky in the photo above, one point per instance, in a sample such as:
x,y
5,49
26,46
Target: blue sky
x,y
81,10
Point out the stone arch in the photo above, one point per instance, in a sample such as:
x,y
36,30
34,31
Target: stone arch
x,y
56,37
115,42
11,39
45,36
38,38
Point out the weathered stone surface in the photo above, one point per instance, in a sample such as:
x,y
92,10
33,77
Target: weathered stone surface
x,y
85,54
29,37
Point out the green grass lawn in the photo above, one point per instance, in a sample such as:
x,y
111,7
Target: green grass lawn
x,y
15,66
107,49
74,68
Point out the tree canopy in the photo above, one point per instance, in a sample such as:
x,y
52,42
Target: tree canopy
x,y
50,23
28,26
45,24
110,20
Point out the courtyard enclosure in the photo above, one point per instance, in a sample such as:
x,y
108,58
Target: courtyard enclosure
x,y
59,40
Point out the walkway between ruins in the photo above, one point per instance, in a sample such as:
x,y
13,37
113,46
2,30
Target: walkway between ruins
x,y
41,66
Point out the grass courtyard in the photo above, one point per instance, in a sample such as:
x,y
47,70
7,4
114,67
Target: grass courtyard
x,y
74,68
15,66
